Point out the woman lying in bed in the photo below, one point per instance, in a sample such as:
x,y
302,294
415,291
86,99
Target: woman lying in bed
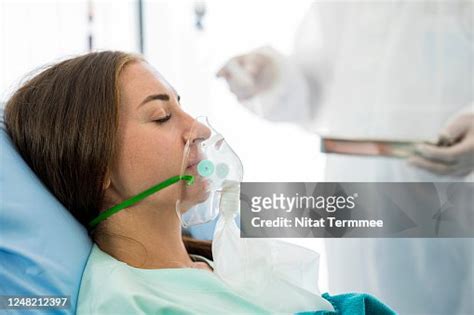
x,y
98,129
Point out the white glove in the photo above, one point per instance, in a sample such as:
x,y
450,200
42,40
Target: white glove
x,y
250,74
454,154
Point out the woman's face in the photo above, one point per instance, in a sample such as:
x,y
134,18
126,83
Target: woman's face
x,y
153,131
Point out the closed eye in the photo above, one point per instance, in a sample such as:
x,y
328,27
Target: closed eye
x,y
163,120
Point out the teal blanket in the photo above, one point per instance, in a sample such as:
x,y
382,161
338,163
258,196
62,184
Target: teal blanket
x,y
354,304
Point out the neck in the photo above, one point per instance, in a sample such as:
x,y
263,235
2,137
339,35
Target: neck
x,y
144,238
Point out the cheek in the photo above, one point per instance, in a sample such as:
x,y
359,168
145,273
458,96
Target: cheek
x,y
147,159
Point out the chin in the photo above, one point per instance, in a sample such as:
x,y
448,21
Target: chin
x,y
196,193
199,196
203,197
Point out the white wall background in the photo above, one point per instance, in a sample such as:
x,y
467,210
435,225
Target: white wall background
x,y
33,33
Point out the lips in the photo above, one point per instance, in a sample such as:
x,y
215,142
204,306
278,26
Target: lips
x,y
193,163
194,157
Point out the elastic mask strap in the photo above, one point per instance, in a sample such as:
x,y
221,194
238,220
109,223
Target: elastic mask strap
x,y
127,203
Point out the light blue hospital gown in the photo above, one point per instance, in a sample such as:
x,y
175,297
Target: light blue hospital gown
x,y
110,286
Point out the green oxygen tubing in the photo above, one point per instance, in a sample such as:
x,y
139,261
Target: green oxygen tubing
x,y
127,203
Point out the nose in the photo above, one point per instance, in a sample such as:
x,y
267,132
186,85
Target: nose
x,y
199,131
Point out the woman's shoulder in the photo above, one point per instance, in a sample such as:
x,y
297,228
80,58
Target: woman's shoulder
x,y
102,270
100,263
106,285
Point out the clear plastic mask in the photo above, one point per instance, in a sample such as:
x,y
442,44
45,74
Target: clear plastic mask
x,y
213,163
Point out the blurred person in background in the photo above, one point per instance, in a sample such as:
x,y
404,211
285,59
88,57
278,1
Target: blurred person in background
x,y
381,70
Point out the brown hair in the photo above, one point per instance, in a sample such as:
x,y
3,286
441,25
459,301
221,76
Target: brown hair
x,y
64,123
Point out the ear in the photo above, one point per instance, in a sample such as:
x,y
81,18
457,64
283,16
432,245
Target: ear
x,y
107,181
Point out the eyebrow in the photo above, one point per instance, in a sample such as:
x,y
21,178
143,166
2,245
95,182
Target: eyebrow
x,y
160,97
153,97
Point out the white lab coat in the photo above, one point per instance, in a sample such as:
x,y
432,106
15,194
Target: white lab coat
x,y
389,70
